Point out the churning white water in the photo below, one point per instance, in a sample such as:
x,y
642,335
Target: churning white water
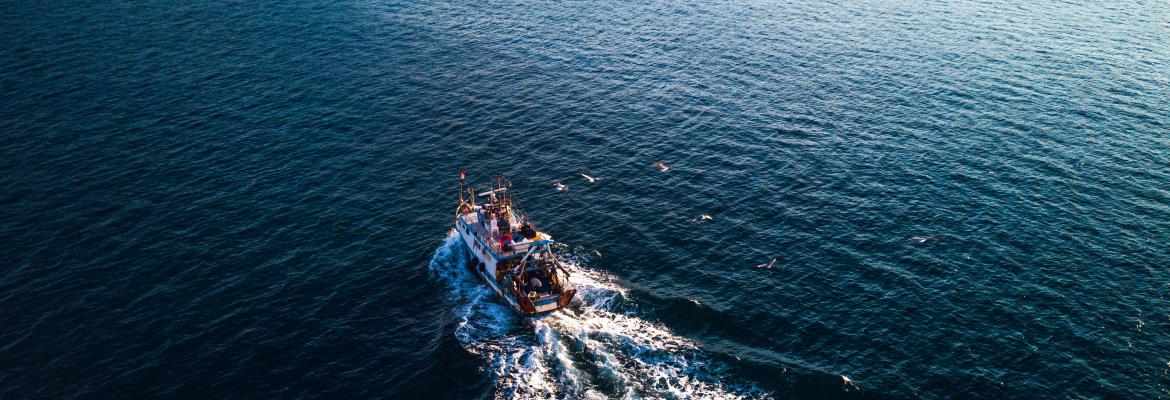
x,y
596,348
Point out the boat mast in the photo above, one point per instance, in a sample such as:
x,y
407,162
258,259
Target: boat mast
x,y
462,178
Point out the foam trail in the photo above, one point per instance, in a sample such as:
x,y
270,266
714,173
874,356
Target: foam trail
x,y
597,348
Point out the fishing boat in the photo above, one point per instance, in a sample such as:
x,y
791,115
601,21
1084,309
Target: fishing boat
x,y
514,259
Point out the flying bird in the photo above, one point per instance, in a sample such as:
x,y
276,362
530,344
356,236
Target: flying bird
x,y
560,186
769,264
702,217
590,178
922,239
661,166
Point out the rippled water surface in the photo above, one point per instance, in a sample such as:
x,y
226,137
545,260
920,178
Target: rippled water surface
x,y
254,199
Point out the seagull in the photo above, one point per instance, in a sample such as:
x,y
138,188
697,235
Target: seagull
x,y
561,186
922,239
598,253
702,217
769,264
661,166
849,383
590,178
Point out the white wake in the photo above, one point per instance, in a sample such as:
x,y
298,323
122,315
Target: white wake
x,y
596,348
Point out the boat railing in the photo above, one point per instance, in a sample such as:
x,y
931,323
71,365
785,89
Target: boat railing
x,y
518,249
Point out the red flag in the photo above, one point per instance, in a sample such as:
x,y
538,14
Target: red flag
x,y
462,176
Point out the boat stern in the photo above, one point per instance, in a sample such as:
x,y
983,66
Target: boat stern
x,y
547,304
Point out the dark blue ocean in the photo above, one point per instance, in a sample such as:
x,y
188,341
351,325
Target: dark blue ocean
x,y
255,200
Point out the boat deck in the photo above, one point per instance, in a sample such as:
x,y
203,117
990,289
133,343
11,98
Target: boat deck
x,y
487,240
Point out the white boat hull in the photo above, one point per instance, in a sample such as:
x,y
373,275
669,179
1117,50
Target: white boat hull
x,y
484,266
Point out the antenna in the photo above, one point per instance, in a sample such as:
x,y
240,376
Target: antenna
x,y
509,195
462,177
